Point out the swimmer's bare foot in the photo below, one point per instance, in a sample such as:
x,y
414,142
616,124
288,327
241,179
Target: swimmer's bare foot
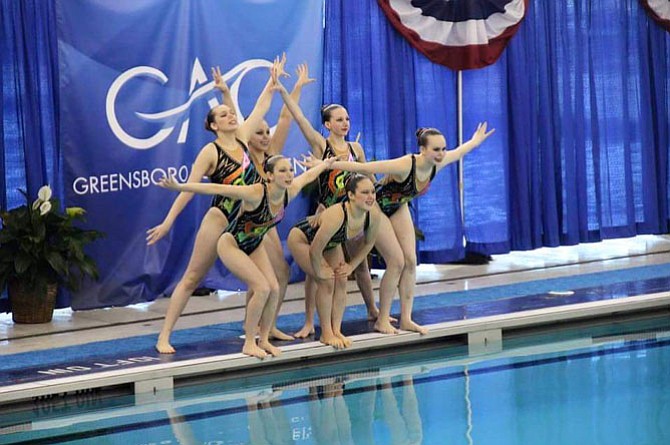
x,y
163,346
411,326
373,315
276,334
305,332
384,326
345,340
252,349
269,348
332,340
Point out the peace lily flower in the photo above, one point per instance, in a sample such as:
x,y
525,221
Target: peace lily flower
x,y
44,193
42,244
45,207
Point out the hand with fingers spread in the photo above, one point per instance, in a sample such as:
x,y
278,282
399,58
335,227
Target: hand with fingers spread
x,y
280,63
481,134
170,183
275,73
219,83
303,75
157,233
308,161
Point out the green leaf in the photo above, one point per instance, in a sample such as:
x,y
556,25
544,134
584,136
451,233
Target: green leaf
x,y
22,262
57,262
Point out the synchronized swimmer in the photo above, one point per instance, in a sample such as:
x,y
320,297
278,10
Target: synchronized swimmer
x,y
253,185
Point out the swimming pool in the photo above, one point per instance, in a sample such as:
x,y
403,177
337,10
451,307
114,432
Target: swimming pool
x,y
597,385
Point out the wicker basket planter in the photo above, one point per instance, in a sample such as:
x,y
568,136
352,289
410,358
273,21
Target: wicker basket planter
x,y
32,306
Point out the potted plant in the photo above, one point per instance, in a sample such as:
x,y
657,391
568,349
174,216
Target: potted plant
x,y
40,249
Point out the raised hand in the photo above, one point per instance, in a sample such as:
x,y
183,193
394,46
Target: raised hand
x,y
481,134
303,75
219,83
275,73
280,63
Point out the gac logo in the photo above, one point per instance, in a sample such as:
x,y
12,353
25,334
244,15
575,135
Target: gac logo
x,y
171,118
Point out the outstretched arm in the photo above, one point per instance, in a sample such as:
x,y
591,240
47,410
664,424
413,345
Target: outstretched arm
x,y
477,138
397,166
262,103
313,137
221,85
244,192
281,131
315,168
203,163
360,156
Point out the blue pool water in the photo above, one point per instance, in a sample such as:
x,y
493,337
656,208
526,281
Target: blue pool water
x,y
595,386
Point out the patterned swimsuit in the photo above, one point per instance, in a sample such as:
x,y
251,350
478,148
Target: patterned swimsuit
x,y
248,228
339,237
229,171
331,182
391,194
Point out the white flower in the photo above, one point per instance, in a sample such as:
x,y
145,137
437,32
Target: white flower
x,y
37,204
45,207
44,194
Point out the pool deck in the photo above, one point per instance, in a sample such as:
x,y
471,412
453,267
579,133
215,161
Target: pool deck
x,y
483,323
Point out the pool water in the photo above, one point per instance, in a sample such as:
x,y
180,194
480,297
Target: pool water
x,y
602,385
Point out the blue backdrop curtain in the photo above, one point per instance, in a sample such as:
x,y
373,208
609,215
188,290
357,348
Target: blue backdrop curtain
x,y
389,90
581,107
29,154
580,103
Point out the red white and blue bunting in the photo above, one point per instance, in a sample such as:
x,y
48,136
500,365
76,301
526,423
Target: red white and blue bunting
x,y
460,34
659,10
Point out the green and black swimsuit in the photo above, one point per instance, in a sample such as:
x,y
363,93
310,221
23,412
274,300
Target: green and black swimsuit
x,y
249,228
331,182
391,194
339,237
229,171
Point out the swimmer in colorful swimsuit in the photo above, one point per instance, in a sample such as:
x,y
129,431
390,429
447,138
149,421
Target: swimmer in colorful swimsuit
x,y
239,248
225,160
318,251
406,178
261,146
331,191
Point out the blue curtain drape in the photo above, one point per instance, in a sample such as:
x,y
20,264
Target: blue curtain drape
x,y
389,90
29,152
580,102
581,107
